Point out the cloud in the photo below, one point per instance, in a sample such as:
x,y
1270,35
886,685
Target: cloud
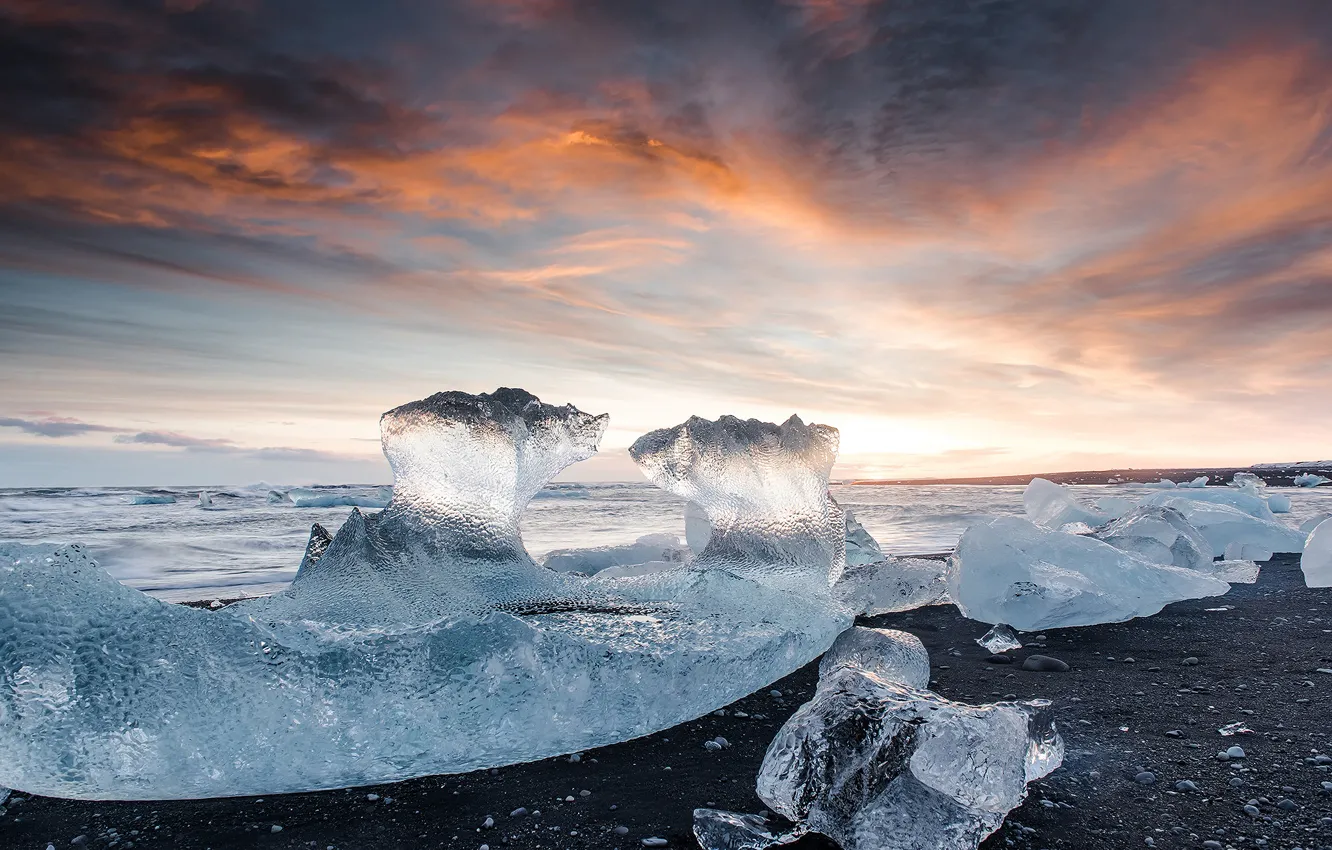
x,y
174,440
54,427
276,454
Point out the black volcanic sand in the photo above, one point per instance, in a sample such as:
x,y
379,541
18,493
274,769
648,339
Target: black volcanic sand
x,y
1282,476
1129,704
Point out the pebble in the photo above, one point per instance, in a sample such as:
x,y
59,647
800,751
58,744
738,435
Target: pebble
x,y
1210,844
488,822
585,793
1286,804
1044,664
621,830
654,842
484,847
1251,810
518,812
1185,785
775,694
575,758
372,797
275,828
1145,778
711,746
1175,733
1236,782
1236,752
1190,661
999,659
725,743
79,840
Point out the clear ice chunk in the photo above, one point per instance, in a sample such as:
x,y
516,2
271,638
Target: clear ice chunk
x,y
718,830
154,499
424,639
893,584
1279,503
1248,481
1161,535
861,547
1226,516
764,490
304,497
648,549
1316,562
875,764
890,654
1000,638
1008,570
1197,483
1054,506
1309,479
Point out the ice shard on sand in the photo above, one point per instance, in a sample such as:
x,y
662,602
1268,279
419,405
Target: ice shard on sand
x,y
423,639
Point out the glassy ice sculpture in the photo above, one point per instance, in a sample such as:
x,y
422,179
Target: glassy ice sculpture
x,y
424,639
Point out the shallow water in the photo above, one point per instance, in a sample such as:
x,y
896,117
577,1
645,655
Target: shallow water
x,y
243,545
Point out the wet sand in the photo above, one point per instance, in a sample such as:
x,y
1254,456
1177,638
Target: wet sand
x,y
1261,654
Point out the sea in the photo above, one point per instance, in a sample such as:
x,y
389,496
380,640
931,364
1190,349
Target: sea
x,y
248,541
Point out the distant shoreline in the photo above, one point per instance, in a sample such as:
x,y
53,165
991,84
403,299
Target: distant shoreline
x,y
1277,476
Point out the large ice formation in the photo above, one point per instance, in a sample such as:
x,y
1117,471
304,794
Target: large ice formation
x,y
1235,523
1054,506
1008,570
424,639
1316,562
1165,536
1309,479
1313,522
649,549
876,762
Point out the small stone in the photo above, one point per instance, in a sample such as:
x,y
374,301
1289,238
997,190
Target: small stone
x,y
1190,661
1236,782
1286,804
725,743
1251,810
575,758
998,659
1175,733
1223,756
585,793
1235,752
1185,785
519,812
79,840
488,822
1145,778
275,828
1130,661
621,830
1044,664
1210,844
569,799
711,746
372,797
775,694
484,847
655,842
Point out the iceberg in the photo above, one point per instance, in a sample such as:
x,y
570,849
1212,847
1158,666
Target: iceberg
x,y
648,549
205,499
1309,479
1279,503
1054,506
424,639
304,497
1008,570
876,762
1227,519
1316,562
155,499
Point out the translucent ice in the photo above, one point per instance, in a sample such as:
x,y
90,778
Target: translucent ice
x,y
1316,562
1115,507
698,531
1197,483
1248,481
861,548
1228,517
893,584
764,490
1279,503
887,653
156,499
424,639
1054,506
1163,484
205,499
876,764
718,830
303,497
649,548
1160,535
1309,479
1313,522
1007,570
1000,638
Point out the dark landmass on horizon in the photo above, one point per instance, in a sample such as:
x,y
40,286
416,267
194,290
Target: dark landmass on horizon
x,y
1276,476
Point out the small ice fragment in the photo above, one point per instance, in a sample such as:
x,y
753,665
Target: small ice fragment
x,y
374,798
216,603
1232,729
1279,503
1000,638
1309,479
718,830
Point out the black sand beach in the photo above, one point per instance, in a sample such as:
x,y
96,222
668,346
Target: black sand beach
x,y
1134,702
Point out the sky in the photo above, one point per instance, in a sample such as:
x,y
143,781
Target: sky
x,y
977,236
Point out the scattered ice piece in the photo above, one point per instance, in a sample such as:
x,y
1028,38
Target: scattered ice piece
x,y
276,497
305,497
1160,535
1232,729
891,655
488,822
1197,483
1007,570
1163,484
893,584
1226,517
154,499
216,603
1309,479
1238,571
649,549
712,746
4,795
374,798
1316,562
1248,481
861,548
1000,638
205,499
1054,506
718,830
275,828
1279,503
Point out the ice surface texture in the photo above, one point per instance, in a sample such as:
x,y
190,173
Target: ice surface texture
x,y
1316,562
1008,570
893,584
421,640
1228,517
665,549
764,490
875,762
1054,506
